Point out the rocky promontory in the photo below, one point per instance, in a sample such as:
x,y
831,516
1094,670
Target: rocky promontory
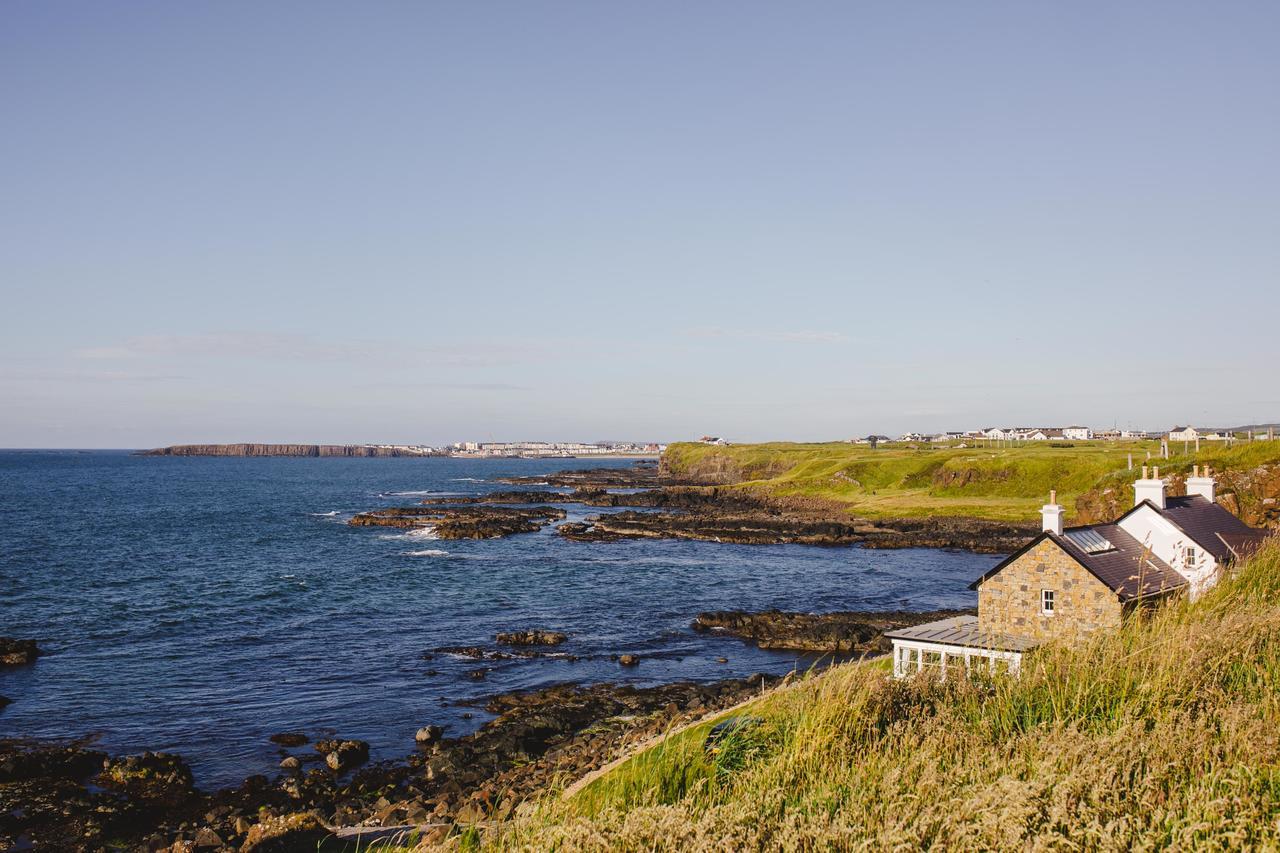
x,y
472,522
352,450
841,631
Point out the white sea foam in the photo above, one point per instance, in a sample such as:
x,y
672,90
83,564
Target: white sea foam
x,y
429,552
467,480
419,493
329,514
417,534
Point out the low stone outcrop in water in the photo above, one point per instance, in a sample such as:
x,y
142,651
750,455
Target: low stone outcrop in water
x,y
843,631
472,522
17,652
770,527
531,638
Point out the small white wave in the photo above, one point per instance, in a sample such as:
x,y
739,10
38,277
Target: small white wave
x,y
329,514
417,534
429,552
415,493
467,480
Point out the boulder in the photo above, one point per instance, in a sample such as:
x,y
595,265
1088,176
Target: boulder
x,y
291,764
17,652
285,834
4,700
342,755
628,660
428,734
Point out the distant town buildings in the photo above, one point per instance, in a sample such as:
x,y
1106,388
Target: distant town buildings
x,y
551,449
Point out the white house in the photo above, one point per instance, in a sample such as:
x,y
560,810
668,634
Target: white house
x,y
1187,433
1077,433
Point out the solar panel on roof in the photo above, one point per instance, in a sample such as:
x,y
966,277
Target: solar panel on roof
x,y
1090,541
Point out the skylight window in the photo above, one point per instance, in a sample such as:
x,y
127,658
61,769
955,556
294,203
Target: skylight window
x,y
1090,541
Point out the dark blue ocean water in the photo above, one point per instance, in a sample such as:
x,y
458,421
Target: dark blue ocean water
x,y
200,605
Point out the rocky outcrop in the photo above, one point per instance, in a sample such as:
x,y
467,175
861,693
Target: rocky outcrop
x,y
843,631
765,527
474,522
638,476
1251,494
286,833
17,652
349,450
154,776
531,638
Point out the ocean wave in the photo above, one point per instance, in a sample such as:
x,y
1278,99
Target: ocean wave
x,y
415,493
467,480
416,534
429,552
329,514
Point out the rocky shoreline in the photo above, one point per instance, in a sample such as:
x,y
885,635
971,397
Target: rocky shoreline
x,y
843,632
71,796
474,522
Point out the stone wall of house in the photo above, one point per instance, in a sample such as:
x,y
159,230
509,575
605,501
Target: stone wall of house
x,y
1009,601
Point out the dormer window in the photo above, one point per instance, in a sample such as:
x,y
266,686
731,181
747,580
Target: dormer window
x,y
1189,557
1046,602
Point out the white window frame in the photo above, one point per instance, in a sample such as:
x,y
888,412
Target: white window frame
x,y
1190,557
1048,602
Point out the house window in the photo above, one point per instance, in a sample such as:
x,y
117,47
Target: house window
x,y
1046,602
1188,557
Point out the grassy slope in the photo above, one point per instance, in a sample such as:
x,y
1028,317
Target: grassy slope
x,y
903,480
1163,734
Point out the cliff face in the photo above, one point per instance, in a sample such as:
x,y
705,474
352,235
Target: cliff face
x,y
276,450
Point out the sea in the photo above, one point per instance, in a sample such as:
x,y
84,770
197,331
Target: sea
x,y
200,605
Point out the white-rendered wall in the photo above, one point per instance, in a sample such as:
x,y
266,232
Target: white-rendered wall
x,y
1167,542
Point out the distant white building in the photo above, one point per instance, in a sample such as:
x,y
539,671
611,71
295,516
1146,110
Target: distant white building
x,y
1077,433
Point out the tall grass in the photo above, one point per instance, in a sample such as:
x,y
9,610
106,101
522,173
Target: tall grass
x,y
1162,734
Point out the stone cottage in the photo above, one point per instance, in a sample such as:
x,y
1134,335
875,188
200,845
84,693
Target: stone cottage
x,y
1067,582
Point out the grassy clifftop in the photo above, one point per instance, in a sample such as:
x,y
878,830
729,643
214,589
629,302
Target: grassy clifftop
x,y
1007,483
1160,735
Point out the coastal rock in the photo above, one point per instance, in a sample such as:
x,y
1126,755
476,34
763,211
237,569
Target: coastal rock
x,y
290,763
473,522
629,660
17,652
342,755
287,833
5,701
637,476
531,638
289,739
845,631
428,734
150,776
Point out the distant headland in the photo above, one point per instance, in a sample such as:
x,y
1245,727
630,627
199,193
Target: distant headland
x,y
468,450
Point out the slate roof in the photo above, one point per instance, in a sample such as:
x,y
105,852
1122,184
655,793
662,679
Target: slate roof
x,y
1204,521
962,631
1130,569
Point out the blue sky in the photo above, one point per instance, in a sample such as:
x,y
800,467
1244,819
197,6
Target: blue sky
x,y
346,222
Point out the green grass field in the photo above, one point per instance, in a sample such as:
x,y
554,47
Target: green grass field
x,y
898,480
1161,735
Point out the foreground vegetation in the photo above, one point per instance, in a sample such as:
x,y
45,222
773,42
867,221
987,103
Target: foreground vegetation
x,y
1163,734
905,480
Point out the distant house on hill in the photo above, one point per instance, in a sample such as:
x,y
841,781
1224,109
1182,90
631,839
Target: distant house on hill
x,y
1067,582
713,439
1077,433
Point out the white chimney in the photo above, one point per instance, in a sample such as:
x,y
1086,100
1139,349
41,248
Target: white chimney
x,y
1149,489
1203,486
1051,515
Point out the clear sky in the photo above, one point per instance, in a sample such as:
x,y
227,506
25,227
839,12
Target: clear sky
x,y
426,222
